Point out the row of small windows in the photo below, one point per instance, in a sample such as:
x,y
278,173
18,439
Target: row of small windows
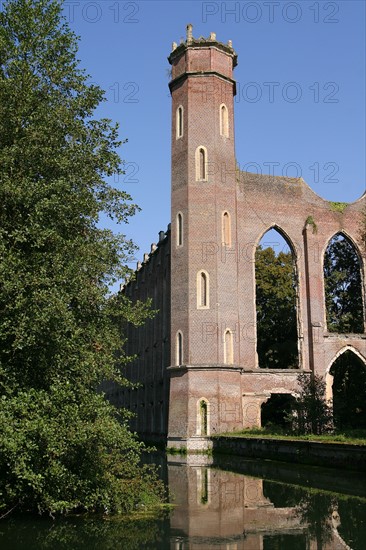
x,y
225,225
228,348
224,121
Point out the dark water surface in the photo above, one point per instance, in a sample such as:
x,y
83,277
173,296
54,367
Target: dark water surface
x,y
229,504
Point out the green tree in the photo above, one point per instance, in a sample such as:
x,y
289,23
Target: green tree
x,y
62,445
311,411
343,295
276,309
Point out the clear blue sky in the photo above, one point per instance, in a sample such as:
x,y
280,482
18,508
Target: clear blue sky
x,y
301,90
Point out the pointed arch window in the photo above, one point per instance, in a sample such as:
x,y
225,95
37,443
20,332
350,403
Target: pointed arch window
x,y
226,229
224,121
203,417
346,381
203,290
343,286
203,414
179,229
228,348
201,163
179,348
179,122
277,301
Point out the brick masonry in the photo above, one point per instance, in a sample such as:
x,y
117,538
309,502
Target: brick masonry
x,y
169,400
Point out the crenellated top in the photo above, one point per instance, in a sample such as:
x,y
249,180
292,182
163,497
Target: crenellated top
x,y
132,278
202,55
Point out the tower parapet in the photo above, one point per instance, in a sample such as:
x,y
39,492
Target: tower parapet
x,y
200,55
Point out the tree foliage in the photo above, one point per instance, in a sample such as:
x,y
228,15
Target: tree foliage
x,y
311,411
276,309
62,446
343,295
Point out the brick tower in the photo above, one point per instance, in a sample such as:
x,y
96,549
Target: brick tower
x,y
203,286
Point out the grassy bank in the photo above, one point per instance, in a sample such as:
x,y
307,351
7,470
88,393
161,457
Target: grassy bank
x,y
351,437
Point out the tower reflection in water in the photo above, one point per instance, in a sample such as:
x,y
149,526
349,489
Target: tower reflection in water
x,y
225,510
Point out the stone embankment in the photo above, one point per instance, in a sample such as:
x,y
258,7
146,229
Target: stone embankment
x,y
331,455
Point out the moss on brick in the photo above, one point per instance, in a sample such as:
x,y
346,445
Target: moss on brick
x,y
338,206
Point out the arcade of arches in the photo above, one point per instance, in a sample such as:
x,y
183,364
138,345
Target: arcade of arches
x,y
277,325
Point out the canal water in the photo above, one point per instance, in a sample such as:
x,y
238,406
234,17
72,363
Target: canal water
x,y
228,504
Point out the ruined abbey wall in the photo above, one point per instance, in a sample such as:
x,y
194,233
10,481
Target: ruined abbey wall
x,y
196,360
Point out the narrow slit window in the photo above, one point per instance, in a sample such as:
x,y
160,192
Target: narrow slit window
x,y
228,347
179,229
202,289
226,229
179,348
224,121
203,417
179,122
201,164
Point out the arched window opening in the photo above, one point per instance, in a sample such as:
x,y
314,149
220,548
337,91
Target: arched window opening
x,y
276,411
342,286
226,229
228,348
201,164
276,303
202,290
349,390
203,411
179,348
224,121
203,415
179,122
179,229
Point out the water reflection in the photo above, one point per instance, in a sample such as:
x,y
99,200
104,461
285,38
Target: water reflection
x,y
223,509
220,508
228,510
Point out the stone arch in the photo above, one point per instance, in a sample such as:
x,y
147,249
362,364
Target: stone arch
x,y
348,237
291,243
355,247
329,377
295,251
346,387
